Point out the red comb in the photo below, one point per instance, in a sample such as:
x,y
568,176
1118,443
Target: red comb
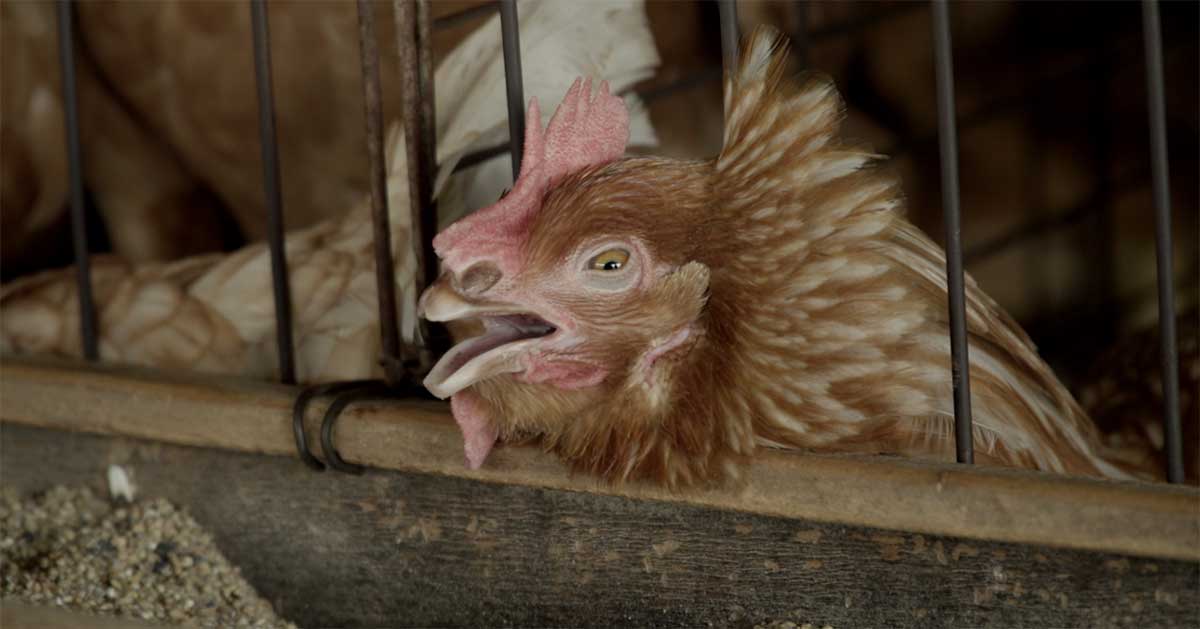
x,y
583,132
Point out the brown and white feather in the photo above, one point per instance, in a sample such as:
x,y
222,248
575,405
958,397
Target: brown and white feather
x,y
821,313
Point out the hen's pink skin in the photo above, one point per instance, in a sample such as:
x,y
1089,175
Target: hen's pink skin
x,y
583,132
479,434
586,130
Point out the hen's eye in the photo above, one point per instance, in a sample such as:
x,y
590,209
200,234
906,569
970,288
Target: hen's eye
x,y
610,260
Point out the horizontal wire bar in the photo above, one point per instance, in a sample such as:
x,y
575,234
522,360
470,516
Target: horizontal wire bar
x,y
861,22
1119,54
1049,222
699,77
464,16
815,36
482,155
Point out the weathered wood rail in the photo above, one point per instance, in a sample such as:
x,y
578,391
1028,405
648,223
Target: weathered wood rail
x,y
845,541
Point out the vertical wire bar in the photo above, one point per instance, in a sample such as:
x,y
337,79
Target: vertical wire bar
x,y
428,132
385,271
83,269
270,161
1162,237
948,142
434,343
511,43
729,34
417,106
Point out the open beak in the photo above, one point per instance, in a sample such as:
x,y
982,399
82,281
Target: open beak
x,y
508,332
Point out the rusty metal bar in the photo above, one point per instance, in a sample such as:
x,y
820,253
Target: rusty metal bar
x,y
414,48
481,156
948,141
270,161
1162,238
83,269
510,41
385,271
428,126
436,341
405,12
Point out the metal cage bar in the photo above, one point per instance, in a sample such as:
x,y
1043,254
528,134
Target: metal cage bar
x,y
1162,239
270,159
729,33
79,240
510,41
428,128
385,282
948,144
709,74
416,88
416,61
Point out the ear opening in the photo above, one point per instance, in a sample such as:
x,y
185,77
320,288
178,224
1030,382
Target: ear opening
x,y
687,287
678,298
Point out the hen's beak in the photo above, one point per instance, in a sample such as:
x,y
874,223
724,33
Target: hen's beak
x,y
508,332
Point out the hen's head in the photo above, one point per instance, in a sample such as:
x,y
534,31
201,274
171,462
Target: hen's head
x,y
660,319
583,280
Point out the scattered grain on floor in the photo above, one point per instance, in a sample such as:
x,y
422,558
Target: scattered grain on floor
x,y
149,560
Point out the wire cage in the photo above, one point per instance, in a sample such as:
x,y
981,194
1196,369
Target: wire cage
x,y
861,540
415,24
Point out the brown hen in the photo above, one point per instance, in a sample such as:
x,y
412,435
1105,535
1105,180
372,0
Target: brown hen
x,y
662,319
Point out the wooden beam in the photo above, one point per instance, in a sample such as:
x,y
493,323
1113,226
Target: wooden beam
x,y
404,549
1154,520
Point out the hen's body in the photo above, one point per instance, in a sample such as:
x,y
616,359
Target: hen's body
x,y
796,306
215,313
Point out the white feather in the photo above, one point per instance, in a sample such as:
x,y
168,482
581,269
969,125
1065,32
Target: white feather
x,y
602,39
